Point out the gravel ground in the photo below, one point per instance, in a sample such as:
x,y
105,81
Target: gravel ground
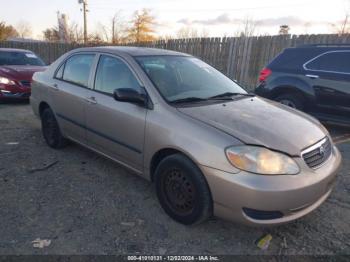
x,y
86,204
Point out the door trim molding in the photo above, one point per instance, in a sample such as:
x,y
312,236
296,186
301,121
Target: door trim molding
x,y
112,139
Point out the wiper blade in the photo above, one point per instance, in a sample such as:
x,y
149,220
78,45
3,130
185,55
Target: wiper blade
x,y
188,100
229,95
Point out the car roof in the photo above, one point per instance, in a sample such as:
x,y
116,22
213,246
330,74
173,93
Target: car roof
x,y
15,50
132,50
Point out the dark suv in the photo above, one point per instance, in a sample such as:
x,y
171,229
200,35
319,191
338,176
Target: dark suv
x,y
312,78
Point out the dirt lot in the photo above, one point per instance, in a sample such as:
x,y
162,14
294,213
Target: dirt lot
x,y
86,204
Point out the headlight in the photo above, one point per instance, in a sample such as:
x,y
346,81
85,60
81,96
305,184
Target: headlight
x,y
6,81
261,160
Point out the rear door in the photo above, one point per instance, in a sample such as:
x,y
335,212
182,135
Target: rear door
x,y
115,128
70,90
330,74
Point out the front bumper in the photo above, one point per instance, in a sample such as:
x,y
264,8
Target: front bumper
x,y
292,195
9,95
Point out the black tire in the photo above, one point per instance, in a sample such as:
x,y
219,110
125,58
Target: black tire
x,y
182,190
292,100
51,130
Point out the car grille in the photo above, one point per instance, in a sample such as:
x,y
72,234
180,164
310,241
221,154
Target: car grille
x,y
317,154
25,83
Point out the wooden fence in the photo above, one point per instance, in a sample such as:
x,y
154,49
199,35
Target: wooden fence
x,y
240,58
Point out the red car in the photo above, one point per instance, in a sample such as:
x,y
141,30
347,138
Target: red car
x,y
17,67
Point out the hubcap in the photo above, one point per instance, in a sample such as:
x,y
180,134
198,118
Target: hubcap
x,y
288,103
179,191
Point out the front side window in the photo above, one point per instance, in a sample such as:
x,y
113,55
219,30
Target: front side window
x,y
20,58
331,62
77,69
112,73
181,77
59,73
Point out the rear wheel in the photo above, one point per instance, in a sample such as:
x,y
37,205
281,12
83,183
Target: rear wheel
x,y
182,190
293,100
51,130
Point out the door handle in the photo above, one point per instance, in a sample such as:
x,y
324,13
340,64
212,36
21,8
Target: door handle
x,y
313,76
55,87
91,100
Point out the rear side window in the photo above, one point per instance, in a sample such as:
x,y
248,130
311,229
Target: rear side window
x,y
331,62
77,69
112,73
292,59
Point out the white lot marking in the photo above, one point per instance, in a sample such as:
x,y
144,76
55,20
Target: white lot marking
x,y
11,143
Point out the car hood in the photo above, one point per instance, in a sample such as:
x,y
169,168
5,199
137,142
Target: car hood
x,y
18,72
257,121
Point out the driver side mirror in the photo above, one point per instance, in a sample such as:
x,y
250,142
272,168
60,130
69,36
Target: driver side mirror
x,y
130,95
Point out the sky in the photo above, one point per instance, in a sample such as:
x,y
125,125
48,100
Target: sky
x,y
217,18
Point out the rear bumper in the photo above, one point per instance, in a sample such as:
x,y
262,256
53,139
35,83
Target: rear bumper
x,y
293,196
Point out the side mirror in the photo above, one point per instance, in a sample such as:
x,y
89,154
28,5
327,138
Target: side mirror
x,y
130,95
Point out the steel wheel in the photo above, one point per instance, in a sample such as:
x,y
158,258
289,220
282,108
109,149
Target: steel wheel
x,y
182,190
179,191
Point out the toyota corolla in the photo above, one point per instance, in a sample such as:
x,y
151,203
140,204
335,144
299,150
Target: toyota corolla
x,y
210,147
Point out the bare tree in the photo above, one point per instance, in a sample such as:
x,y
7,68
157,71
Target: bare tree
x,y
343,27
24,29
191,32
118,28
307,26
116,31
74,34
95,38
248,27
103,32
51,35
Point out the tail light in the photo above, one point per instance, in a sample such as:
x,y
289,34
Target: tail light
x,y
264,74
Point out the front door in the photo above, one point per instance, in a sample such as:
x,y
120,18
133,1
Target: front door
x,y
115,128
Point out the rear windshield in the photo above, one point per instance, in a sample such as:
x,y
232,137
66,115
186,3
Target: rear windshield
x,y
19,58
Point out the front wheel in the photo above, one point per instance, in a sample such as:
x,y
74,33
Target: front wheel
x,y
51,130
182,190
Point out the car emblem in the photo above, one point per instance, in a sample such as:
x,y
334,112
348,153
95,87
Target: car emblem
x,y
322,151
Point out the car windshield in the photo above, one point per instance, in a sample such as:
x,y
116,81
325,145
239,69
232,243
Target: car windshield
x,y
184,78
19,58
